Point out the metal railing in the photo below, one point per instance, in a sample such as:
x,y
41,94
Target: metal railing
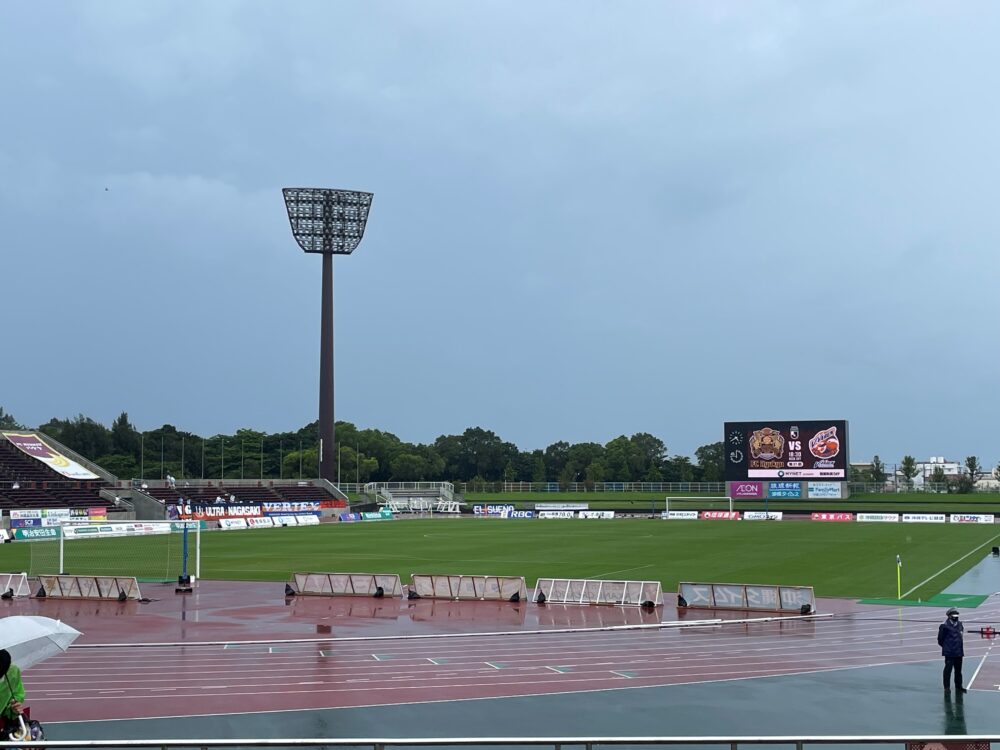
x,y
557,743
373,487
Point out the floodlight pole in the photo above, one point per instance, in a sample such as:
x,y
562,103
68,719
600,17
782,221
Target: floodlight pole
x,y
329,222
327,427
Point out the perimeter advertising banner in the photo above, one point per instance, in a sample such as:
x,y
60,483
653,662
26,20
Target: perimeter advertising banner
x,y
786,450
195,512
31,444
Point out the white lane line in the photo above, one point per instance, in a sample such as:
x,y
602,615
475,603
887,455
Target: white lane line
x,y
981,663
949,565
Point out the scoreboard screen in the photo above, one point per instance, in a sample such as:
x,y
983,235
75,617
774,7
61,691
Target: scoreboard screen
x,y
786,450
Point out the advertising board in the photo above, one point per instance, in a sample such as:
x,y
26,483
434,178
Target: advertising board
x,y
792,490
556,514
785,450
967,518
923,518
760,515
492,509
747,489
680,515
562,506
832,516
217,512
721,515
30,535
604,514
834,490
878,517
293,507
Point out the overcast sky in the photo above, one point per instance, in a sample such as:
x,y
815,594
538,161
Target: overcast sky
x,y
590,218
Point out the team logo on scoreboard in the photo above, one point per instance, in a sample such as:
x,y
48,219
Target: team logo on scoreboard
x,y
825,444
767,444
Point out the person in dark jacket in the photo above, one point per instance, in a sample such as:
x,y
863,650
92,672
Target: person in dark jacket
x,y
950,640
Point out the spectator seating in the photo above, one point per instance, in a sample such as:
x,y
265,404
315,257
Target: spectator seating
x,y
38,486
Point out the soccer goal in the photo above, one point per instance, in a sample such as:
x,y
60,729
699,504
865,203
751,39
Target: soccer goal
x,y
145,550
685,502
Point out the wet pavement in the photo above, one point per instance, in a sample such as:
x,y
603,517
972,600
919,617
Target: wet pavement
x,y
888,681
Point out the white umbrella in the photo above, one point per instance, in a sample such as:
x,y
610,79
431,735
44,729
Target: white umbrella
x,y
31,639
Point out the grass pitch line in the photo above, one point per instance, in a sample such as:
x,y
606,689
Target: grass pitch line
x,y
612,572
956,562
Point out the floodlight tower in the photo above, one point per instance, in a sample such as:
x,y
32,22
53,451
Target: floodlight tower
x,y
329,222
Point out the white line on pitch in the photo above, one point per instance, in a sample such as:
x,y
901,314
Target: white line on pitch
x,y
974,549
612,572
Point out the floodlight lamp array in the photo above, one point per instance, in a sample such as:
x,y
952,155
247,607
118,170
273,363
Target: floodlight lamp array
x,y
327,221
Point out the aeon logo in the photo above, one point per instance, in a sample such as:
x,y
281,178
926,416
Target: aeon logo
x,y
748,489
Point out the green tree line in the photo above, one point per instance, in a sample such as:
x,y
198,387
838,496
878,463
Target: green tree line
x,y
366,455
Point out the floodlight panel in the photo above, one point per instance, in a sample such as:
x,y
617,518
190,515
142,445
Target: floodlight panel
x,y
327,221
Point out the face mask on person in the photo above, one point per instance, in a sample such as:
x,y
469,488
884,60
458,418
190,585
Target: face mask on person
x,y
954,618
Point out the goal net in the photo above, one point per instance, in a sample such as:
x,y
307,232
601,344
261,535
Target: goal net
x,y
698,502
145,550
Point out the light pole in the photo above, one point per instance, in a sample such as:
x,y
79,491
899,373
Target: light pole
x,y
329,222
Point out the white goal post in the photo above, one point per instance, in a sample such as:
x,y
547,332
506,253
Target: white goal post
x,y
699,497
146,550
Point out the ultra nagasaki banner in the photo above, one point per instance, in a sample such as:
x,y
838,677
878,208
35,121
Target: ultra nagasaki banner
x,y
786,450
34,446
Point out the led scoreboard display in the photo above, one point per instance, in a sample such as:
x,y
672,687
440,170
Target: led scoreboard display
x,y
786,450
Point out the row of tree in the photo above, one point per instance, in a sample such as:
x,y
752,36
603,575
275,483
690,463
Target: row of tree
x,y
372,455
908,469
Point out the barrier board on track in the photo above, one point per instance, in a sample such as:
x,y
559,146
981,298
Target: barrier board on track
x,y
89,587
491,588
16,582
593,591
746,596
346,584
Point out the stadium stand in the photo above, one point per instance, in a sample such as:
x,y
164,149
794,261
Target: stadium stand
x,y
26,483
268,491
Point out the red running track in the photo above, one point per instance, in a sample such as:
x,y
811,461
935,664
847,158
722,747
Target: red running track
x,y
128,681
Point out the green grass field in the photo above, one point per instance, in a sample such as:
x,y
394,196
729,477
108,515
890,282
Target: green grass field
x,y
838,559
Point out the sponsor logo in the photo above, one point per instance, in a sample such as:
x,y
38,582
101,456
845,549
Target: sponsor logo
x,y
825,489
784,489
562,506
522,514
923,518
555,514
349,517
298,506
23,514
596,514
498,509
721,515
878,517
760,515
825,444
748,489
216,512
971,518
767,444
36,533
680,515
832,516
